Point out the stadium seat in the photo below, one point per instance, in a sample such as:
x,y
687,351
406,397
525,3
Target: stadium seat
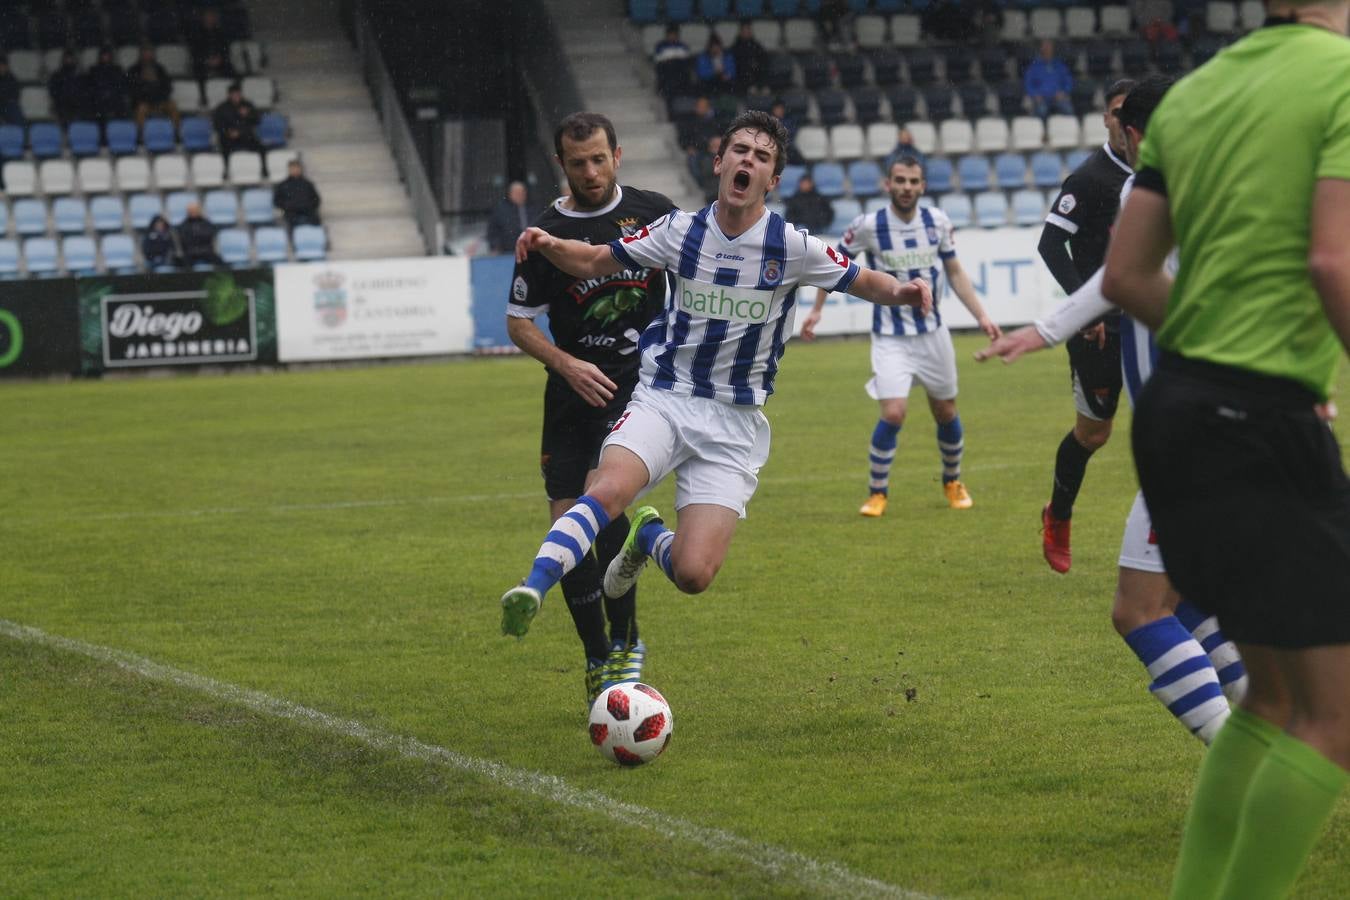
x,y
83,138
768,32
847,142
175,59
133,173
644,11
9,260
122,137
852,69
69,215
1204,47
272,130
956,136
30,216
35,103
107,213
1046,23
1011,97
974,99
958,209
176,204
709,9
748,9
11,141
974,173
259,90
939,100
221,208
1076,158
881,139
1094,130
171,172
217,90
799,34
991,209
20,178
833,106
845,211
922,65
1100,57
197,134
119,253
245,167
94,175
816,69
866,103
1046,169
991,134
80,254
1015,25
158,136
829,178
1221,18
1010,169
247,56
270,245
813,143
904,100
187,94
1115,19
277,161
39,256
1083,95
257,204
905,30
1063,132
938,174
870,31
925,136
233,244
208,170
1028,207
1167,55
780,71
1079,22
142,208
865,177
787,184
1134,55
881,201
1251,14
4,218
25,65
885,66
44,140
57,176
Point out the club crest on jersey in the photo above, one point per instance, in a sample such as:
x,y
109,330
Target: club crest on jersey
x,y
771,272
932,234
627,226
1067,203
519,290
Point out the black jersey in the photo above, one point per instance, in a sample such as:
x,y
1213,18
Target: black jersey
x,y
595,319
1086,208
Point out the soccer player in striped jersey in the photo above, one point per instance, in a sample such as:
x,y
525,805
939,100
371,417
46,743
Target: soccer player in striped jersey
x,y
708,364
1196,671
908,240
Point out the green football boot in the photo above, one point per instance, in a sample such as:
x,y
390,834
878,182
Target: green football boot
x,y
624,569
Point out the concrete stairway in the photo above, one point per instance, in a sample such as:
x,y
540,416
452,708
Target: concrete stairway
x,y
336,130
616,79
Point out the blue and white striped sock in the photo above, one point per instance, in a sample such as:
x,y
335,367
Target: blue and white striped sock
x,y
951,444
1183,679
656,539
566,543
1222,652
881,455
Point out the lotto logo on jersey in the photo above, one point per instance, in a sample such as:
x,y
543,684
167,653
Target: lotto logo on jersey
x,y
712,301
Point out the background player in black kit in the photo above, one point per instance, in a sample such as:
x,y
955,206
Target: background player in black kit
x,y
592,368
1073,245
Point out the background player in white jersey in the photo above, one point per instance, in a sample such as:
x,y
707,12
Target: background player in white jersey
x,y
908,241
708,364
1196,671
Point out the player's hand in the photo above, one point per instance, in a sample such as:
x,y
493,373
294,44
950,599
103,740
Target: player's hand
x,y
809,325
1096,333
1012,345
918,294
588,381
992,331
531,239
1326,411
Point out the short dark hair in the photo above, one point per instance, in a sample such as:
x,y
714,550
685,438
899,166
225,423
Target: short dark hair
x,y
1142,101
1119,87
906,159
765,123
581,125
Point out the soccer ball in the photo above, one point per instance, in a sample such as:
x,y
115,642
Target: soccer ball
x,y
631,723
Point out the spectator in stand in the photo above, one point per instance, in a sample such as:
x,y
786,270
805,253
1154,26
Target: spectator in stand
x,y
790,122
216,66
109,89
715,68
808,208
208,40
296,197
904,146
1048,82
674,70
11,112
197,238
1154,19
701,166
236,122
151,89
752,60
509,218
158,247
69,90
988,23
693,132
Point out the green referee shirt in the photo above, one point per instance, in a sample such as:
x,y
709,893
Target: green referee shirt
x,y
1238,145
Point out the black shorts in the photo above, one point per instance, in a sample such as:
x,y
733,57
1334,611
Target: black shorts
x,y
1249,500
573,433
1095,373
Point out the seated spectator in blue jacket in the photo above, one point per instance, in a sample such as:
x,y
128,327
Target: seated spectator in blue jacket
x,y
158,246
69,90
674,69
1048,82
11,112
716,68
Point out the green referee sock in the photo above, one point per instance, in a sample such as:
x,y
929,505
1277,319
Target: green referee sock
x,y
1289,800
1220,789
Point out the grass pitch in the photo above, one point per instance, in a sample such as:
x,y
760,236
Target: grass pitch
x,y
915,702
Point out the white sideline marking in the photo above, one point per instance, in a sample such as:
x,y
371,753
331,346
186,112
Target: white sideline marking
x,y
827,877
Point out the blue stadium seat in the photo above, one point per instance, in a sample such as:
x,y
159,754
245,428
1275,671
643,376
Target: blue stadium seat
x,y
974,173
122,139
4,218
865,176
44,139
1011,170
83,138
39,255
644,11
1077,157
1045,169
80,254
9,260
119,253
234,246
1028,207
749,9
257,203
845,211
991,209
158,135
829,178
30,217
143,208
783,8
272,130
711,9
11,141
69,214
311,242
938,174
958,209
176,204
197,134
221,208
270,244
787,184
107,213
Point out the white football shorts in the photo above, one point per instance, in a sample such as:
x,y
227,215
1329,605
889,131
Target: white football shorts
x,y
1138,546
715,449
899,360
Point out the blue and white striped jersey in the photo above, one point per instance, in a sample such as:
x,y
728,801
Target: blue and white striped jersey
x,y
906,250
1138,352
729,311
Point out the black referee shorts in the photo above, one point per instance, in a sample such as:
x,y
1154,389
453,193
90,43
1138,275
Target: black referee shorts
x,y
573,433
1249,500
1096,375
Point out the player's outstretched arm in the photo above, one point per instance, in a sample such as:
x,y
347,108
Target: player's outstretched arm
x,y
1013,344
576,258
883,290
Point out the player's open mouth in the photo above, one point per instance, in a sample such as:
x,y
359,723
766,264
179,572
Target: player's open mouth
x,y
741,181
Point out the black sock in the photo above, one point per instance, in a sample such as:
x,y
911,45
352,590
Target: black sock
x,y
581,588
1070,466
621,611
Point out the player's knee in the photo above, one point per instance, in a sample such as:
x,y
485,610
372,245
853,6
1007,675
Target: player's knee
x,y
1093,438
1127,614
695,577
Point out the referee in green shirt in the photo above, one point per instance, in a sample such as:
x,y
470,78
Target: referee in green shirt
x,y
1246,168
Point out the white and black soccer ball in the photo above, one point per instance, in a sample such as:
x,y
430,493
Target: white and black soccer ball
x,y
631,723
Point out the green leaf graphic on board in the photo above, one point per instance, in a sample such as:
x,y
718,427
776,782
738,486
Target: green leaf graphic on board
x,y
225,301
